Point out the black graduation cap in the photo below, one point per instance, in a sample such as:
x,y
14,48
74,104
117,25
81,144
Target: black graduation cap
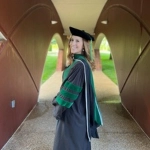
x,y
81,33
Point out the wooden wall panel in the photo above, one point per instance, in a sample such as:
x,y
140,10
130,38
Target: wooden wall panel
x,y
136,92
17,85
128,33
123,33
27,26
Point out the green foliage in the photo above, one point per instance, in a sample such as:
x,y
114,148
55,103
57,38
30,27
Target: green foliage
x,y
51,61
53,45
104,45
108,67
49,67
107,63
50,47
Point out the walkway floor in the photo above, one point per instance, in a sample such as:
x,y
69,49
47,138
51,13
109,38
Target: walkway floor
x,y
119,132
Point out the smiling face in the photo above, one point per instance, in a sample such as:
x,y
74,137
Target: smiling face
x,y
76,44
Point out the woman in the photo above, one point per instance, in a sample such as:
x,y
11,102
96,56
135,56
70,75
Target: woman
x,y
76,107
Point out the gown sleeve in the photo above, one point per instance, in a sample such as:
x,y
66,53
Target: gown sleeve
x,y
69,91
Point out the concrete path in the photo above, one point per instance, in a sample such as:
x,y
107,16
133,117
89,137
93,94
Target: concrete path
x,y
119,132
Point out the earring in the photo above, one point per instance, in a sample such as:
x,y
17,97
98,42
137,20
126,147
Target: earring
x,y
72,56
83,49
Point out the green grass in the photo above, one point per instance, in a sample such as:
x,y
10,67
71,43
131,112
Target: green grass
x,y
49,67
108,67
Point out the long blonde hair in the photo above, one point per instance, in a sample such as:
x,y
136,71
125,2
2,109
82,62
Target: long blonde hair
x,y
86,53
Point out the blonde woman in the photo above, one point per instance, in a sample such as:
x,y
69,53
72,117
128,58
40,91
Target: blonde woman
x,y
75,106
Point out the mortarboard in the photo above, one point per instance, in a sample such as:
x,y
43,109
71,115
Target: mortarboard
x,y
81,33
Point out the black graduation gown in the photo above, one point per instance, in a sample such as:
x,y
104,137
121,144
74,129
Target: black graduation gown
x,y
75,125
